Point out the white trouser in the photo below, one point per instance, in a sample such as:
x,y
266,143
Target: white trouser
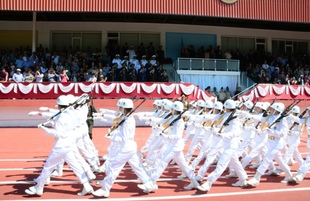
x,y
154,149
125,152
207,141
178,157
248,136
274,152
66,154
215,149
292,150
194,143
229,156
260,141
189,134
305,165
148,142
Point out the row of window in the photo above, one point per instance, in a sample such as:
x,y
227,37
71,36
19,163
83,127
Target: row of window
x,y
94,40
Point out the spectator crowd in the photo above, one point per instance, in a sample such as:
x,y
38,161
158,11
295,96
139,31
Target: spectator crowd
x,y
261,66
141,64
125,64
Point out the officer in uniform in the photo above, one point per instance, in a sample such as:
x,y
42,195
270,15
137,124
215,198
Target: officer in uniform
x,y
90,120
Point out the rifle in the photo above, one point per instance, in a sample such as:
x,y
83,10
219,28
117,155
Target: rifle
x,y
285,112
231,117
175,120
82,99
124,119
300,116
226,122
266,111
219,120
251,111
265,114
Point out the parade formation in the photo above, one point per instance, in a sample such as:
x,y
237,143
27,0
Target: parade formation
x,y
233,135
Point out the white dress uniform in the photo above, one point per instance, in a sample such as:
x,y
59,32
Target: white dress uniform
x,y
174,150
293,141
83,141
125,149
190,126
64,132
260,140
150,139
247,136
230,138
275,143
197,137
158,140
303,169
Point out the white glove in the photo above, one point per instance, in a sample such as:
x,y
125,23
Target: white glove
x,y
158,129
97,114
98,118
108,135
103,110
41,126
33,113
44,108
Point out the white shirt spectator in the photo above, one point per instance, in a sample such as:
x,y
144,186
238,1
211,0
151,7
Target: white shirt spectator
x,y
131,52
117,61
18,77
39,77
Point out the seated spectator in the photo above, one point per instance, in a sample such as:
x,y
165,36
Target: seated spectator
x,y
301,80
214,92
208,90
164,77
293,81
221,95
74,76
4,76
238,91
227,54
18,76
28,77
142,74
102,78
38,75
52,76
228,93
92,79
63,76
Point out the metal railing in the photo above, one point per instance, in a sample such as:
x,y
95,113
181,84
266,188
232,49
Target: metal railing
x,y
245,81
207,64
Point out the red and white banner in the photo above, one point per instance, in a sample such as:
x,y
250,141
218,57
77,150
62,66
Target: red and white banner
x,y
102,90
281,92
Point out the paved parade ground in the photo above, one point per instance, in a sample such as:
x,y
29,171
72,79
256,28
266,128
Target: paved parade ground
x,y
24,149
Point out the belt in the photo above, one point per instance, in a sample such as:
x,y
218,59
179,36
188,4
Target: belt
x,y
89,118
272,138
